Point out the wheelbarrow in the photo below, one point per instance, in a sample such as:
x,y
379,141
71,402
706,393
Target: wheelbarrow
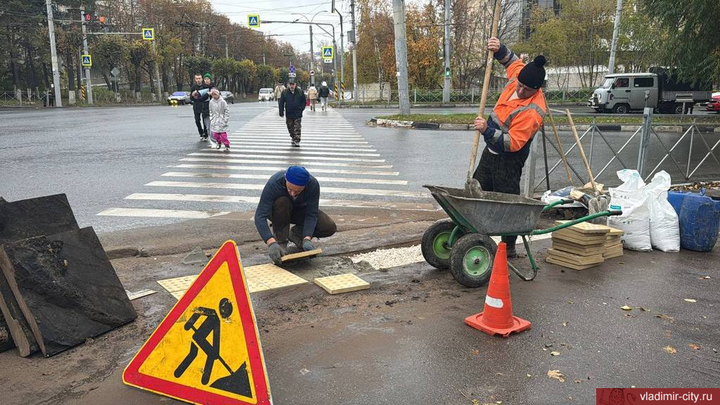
x,y
464,244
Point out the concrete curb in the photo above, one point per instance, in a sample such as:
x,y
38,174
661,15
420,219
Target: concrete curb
x,y
584,127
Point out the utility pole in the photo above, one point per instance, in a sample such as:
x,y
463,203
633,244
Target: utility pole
x,y
446,87
312,57
354,51
226,49
401,55
157,71
342,54
616,33
53,55
88,82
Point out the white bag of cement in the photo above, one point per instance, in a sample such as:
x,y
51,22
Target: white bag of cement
x,y
635,219
664,222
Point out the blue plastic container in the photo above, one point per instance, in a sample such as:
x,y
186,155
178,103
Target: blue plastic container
x,y
675,198
699,223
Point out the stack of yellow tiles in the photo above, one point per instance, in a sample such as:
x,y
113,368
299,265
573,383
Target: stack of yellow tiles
x,y
579,247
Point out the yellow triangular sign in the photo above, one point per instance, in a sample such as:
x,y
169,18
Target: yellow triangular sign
x,y
207,349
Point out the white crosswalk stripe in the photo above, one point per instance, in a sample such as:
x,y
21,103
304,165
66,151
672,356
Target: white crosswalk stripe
x,y
341,159
266,177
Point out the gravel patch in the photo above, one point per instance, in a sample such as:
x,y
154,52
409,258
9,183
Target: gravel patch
x,y
387,258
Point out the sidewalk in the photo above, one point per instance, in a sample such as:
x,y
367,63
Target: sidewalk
x,y
403,341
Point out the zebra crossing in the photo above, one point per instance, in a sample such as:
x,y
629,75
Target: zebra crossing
x,y
210,182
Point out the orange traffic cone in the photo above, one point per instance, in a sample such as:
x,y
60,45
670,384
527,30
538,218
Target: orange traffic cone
x,y
497,317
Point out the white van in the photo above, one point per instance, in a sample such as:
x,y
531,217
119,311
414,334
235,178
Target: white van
x,y
266,94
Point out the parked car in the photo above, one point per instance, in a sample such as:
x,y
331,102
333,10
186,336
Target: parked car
x,y
714,104
180,97
266,94
228,96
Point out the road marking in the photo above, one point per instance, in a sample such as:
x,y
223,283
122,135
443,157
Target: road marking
x,y
305,147
278,168
331,190
269,155
285,140
288,162
294,151
254,200
267,176
154,213
271,134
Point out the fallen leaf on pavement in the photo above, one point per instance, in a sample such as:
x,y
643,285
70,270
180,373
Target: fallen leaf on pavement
x,y
528,375
554,353
668,333
670,349
690,300
565,323
644,309
665,317
626,308
556,374
694,346
476,352
578,381
475,402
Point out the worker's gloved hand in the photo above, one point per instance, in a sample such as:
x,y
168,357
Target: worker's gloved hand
x,y
307,245
480,124
275,252
282,114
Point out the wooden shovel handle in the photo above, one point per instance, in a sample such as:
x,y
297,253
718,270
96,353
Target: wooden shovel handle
x,y
486,84
582,151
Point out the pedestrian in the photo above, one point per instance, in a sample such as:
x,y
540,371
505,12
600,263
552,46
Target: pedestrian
x,y
219,118
290,197
292,105
208,85
509,132
278,91
198,100
312,96
323,93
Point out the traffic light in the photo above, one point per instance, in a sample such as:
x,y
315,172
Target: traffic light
x,y
101,19
88,17
447,72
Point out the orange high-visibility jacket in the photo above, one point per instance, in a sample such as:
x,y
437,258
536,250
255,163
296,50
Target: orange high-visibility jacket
x,y
516,121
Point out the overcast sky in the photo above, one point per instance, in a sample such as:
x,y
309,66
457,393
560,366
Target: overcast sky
x,y
290,10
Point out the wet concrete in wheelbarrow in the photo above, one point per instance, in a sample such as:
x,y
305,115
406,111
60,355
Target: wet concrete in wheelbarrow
x,y
403,341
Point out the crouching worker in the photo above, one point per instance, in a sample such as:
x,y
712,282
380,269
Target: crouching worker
x,y
291,197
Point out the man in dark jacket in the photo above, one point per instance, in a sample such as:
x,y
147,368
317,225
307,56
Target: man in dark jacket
x,y
292,104
198,103
291,197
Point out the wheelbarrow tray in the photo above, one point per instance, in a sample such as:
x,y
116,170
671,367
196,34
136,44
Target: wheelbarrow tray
x,y
487,212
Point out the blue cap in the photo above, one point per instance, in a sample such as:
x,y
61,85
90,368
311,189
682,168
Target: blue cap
x,y
297,175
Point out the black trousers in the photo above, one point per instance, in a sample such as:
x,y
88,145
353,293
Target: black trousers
x,y
501,174
284,214
203,131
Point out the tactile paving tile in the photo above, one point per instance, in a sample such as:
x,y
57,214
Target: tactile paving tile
x,y
342,283
178,283
272,276
259,278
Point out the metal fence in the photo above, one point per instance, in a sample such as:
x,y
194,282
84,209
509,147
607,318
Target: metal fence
x,y
466,96
688,152
101,96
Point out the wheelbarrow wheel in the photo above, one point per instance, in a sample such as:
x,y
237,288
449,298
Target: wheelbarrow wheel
x,y
434,244
471,259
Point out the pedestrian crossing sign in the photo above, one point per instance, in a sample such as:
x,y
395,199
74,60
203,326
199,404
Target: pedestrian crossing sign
x,y
148,34
207,349
253,21
327,52
87,61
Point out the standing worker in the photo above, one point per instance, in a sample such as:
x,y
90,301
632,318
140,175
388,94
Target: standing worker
x,y
292,105
509,132
323,94
291,197
312,96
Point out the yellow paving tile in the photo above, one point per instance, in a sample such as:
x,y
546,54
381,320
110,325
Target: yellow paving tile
x,y
178,283
342,283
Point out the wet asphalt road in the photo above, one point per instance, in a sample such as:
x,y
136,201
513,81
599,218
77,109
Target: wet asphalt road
x,y
99,156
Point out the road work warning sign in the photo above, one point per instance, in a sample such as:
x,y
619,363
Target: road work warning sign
x,y
207,349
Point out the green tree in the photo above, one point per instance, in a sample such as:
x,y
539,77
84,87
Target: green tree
x,y
139,52
691,46
246,72
197,64
265,76
110,51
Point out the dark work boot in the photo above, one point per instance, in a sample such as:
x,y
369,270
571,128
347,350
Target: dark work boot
x,y
296,236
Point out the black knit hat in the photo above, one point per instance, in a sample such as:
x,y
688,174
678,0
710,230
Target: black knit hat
x,y
533,74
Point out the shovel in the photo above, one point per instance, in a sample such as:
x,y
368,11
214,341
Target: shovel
x,y
472,186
